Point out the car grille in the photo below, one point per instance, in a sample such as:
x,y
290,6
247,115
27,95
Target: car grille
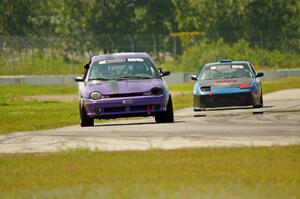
x,y
124,95
114,109
223,100
138,108
131,108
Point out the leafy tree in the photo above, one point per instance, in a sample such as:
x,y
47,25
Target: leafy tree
x,y
112,16
155,16
272,19
14,17
106,24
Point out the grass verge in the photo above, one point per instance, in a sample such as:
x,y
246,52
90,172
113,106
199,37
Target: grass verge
x,y
280,84
271,172
16,115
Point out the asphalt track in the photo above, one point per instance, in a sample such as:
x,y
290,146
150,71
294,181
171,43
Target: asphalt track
x,y
277,123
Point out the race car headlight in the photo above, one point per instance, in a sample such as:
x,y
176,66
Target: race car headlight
x,y
156,91
95,95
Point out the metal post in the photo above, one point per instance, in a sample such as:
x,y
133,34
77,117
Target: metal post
x,y
112,43
132,43
174,48
154,44
261,39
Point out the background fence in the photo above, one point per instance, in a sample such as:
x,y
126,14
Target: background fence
x,y
173,78
57,55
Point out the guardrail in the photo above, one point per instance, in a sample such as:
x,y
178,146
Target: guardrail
x,y
69,79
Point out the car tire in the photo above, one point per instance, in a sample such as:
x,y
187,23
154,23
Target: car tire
x,y
261,103
85,120
166,116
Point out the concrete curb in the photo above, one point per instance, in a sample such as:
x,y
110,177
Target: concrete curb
x,y
69,79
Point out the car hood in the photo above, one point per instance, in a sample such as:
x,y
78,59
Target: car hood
x,y
124,86
225,83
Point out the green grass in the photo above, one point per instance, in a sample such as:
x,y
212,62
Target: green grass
x,y
181,87
280,84
21,116
17,115
272,172
182,101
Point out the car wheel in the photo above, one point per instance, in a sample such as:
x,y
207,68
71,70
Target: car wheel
x,y
166,116
85,120
261,103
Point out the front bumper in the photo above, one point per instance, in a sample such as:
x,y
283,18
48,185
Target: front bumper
x,y
125,107
225,100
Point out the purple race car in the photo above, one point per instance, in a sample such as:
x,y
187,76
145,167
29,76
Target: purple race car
x,y
123,85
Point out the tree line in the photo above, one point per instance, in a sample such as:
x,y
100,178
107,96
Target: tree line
x,y
78,20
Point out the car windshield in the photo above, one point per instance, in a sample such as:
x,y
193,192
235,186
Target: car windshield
x,y
123,69
226,71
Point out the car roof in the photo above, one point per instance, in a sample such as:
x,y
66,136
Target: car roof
x,y
120,56
223,62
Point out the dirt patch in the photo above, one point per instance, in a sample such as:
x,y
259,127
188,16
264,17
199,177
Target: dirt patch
x,y
50,98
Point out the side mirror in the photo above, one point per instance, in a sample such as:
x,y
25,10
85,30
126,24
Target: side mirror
x,y
86,66
194,77
259,75
160,70
164,73
79,79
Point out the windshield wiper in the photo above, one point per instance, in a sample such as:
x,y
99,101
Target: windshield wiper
x,y
100,78
133,77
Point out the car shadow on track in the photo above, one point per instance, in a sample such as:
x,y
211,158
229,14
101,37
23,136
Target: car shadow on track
x,y
135,123
226,111
234,108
